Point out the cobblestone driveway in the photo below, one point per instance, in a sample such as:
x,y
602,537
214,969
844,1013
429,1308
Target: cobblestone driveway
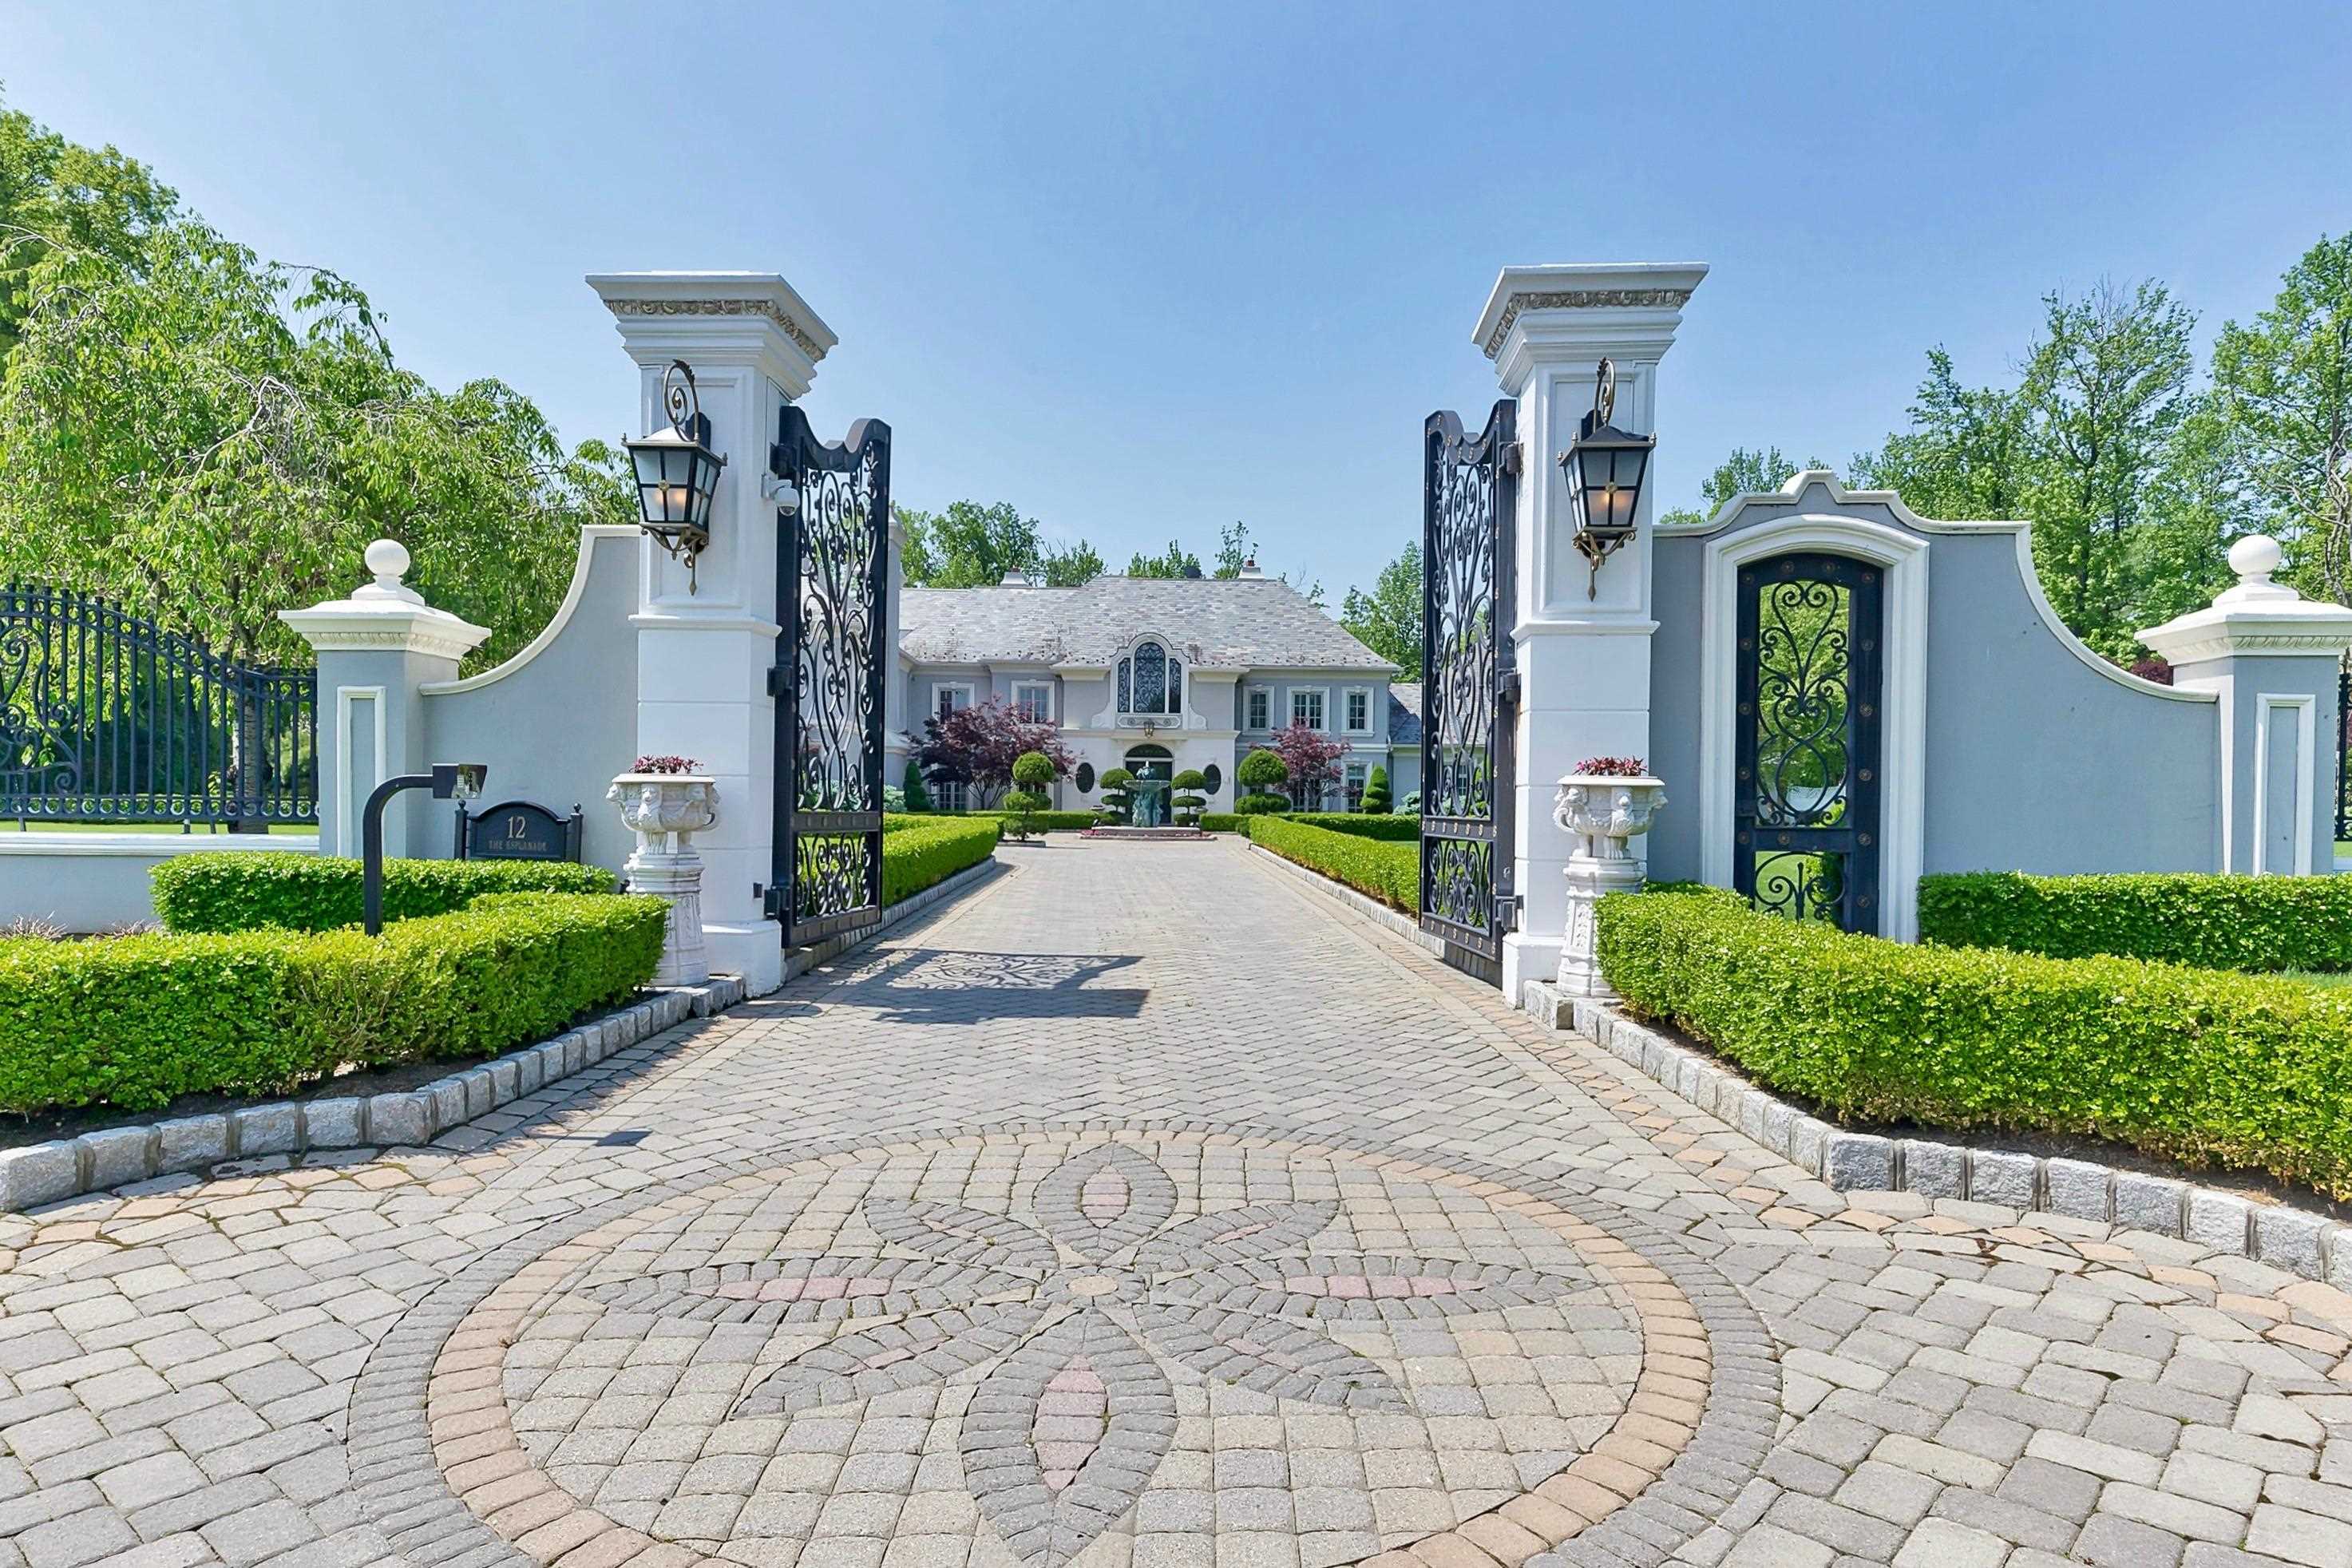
x,y
1143,1208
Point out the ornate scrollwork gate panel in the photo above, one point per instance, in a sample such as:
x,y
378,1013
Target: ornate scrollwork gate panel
x,y
831,595
1469,685
1805,791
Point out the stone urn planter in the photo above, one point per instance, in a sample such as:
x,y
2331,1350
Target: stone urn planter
x,y
1604,811
665,810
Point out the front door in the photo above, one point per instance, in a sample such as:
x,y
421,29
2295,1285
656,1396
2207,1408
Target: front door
x,y
1805,792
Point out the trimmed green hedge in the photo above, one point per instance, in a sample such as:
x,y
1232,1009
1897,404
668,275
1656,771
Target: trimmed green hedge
x,y
920,851
2199,1064
231,890
1386,826
1221,821
1388,871
132,1022
1046,821
2253,923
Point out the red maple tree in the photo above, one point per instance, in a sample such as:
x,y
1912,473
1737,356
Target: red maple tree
x,y
977,747
1313,759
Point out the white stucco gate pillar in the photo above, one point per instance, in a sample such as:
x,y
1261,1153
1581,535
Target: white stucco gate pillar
x,y
1583,656
704,651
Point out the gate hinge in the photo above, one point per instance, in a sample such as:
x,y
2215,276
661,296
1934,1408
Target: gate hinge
x,y
1507,911
1506,687
775,680
1514,456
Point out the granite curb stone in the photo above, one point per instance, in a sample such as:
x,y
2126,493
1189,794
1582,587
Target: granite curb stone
x,y
2296,1240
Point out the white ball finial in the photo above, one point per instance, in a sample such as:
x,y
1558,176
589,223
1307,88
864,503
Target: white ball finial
x,y
2255,557
387,558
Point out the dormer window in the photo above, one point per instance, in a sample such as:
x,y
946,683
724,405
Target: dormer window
x,y
1150,682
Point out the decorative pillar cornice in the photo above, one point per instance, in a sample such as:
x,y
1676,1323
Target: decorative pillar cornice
x,y
385,616
2256,618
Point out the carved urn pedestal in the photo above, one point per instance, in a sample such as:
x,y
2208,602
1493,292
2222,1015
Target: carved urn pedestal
x,y
666,811
1604,814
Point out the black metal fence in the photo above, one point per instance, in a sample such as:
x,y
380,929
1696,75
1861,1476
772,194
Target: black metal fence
x,y
105,716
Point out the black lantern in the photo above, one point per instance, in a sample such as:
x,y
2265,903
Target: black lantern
x,y
1604,467
677,473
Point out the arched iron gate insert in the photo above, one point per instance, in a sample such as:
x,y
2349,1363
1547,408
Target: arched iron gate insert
x,y
1805,794
1469,497
833,601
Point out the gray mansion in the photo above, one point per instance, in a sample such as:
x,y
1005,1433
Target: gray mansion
x,y
1158,676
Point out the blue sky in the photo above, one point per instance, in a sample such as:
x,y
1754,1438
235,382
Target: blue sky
x,y
1145,270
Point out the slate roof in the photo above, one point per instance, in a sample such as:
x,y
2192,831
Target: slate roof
x,y
1247,623
1405,714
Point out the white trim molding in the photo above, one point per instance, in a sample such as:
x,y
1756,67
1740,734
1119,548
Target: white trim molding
x,y
1903,786
1046,686
1322,694
2304,706
346,829
970,689
1348,694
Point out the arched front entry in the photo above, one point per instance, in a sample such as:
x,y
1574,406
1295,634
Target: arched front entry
x,y
1154,766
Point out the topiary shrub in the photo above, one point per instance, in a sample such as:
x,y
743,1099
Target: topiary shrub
x,y
1262,805
2253,923
238,891
2196,1064
1262,772
1376,792
1118,799
1033,774
1188,802
919,798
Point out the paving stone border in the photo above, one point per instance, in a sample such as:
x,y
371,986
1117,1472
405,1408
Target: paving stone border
x,y
1642,1506
112,1157
2296,1240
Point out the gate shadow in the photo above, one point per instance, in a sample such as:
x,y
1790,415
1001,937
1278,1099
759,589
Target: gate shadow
x,y
942,985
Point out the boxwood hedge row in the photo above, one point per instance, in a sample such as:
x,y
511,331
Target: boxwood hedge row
x,y
237,891
919,851
1387,870
2201,1065
132,1022
2252,923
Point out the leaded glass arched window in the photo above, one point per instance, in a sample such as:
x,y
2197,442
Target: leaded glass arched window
x,y
1149,681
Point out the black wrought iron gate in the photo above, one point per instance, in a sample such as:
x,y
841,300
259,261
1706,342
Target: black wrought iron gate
x,y
1469,686
831,592
1805,791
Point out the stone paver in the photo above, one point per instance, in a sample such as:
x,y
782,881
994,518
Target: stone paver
x,y
1143,1208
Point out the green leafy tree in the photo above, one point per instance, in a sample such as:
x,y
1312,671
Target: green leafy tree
x,y
1233,549
2282,402
211,438
917,796
2108,386
1387,620
971,546
1376,792
55,195
1173,561
1745,472
1967,454
1070,566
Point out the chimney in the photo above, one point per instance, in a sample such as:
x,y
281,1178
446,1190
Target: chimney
x,y
1249,568
1014,578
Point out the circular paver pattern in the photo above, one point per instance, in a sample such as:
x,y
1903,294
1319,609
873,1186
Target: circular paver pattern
x,y
1040,1344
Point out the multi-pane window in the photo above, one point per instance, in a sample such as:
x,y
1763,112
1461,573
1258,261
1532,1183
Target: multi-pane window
x,y
1257,716
952,698
1033,701
1306,707
949,796
1355,785
1359,711
1149,681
